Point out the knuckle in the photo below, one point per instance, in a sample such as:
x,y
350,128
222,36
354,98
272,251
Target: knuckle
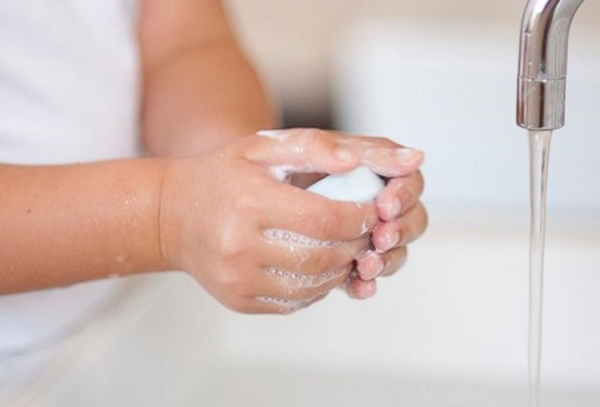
x,y
240,306
329,223
221,244
320,263
227,243
308,140
384,142
246,203
232,283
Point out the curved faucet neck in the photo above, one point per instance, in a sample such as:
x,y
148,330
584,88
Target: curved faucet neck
x,y
543,63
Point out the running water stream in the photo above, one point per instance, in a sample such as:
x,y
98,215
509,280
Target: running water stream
x,y
539,149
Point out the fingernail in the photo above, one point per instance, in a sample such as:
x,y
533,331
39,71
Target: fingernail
x,y
359,289
380,156
392,162
409,156
376,271
369,265
345,155
366,290
394,209
388,241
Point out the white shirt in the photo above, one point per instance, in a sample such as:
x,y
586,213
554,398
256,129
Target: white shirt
x,y
69,92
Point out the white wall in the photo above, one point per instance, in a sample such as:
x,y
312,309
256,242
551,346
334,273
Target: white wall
x,y
293,40
450,90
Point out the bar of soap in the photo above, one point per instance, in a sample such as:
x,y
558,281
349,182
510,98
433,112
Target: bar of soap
x,y
359,185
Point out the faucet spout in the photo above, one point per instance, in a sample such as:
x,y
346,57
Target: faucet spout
x,y
543,63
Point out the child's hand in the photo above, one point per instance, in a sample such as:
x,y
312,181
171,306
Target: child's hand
x,y
402,219
256,243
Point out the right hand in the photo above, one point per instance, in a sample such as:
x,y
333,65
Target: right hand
x,y
257,244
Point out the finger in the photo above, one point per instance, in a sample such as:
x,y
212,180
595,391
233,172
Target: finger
x,y
310,260
384,156
399,195
301,151
289,285
274,284
396,162
313,150
369,265
400,231
372,264
316,219
290,282
273,305
394,260
270,305
359,289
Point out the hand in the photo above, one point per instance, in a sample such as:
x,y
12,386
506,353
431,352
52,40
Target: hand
x,y
402,219
256,243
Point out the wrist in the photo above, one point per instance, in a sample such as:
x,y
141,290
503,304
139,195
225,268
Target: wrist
x,y
156,253
169,216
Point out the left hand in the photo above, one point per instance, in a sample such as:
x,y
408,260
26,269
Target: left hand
x,y
402,219
402,216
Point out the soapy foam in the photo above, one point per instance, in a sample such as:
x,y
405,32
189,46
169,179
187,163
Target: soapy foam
x,y
278,135
292,279
292,239
282,172
286,306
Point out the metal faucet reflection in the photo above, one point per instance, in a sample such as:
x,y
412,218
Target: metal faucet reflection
x,y
543,63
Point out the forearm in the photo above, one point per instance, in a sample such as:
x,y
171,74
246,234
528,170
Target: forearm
x,y
199,89
71,223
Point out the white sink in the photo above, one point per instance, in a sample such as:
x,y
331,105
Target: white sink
x,y
449,330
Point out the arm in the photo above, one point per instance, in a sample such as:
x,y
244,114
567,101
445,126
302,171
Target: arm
x,y
199,89
64,224
223,217
70,223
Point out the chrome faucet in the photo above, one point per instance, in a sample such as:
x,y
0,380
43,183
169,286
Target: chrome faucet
x,y
543,63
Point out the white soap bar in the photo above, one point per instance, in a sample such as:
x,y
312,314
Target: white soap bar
x,y
360,185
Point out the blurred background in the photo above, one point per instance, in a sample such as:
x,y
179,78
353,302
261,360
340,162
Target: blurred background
x,y
436,75
451,328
